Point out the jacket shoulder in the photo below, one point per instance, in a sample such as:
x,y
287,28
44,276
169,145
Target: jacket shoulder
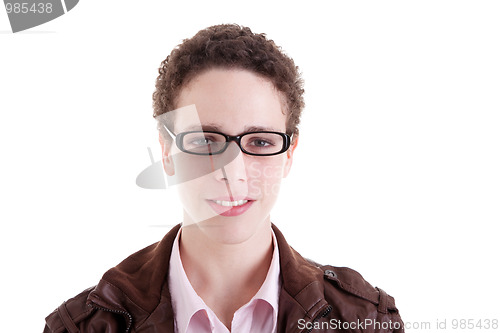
x,y
75,315
73,310
351,282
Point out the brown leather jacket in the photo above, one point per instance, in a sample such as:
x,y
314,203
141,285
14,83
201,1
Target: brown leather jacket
x,y
134,297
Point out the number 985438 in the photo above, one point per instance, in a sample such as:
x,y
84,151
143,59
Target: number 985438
x,y
24,8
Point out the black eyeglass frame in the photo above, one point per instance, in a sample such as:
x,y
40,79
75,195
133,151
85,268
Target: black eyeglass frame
x,y
287,139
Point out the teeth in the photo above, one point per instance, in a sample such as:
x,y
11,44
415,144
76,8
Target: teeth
x,y
231,203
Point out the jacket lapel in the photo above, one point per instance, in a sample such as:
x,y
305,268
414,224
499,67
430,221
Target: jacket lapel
x,y
302,288
140,285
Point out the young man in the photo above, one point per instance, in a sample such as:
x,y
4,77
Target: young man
x,y
228,104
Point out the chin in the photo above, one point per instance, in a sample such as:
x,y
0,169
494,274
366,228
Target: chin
x,y
230,230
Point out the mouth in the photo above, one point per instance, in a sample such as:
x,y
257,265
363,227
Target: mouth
x,y
230,207
230,203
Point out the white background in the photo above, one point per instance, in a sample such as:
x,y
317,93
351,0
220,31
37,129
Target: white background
x,y
396,174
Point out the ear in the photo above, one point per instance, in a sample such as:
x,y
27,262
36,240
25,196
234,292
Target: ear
x,y
289,156
166,155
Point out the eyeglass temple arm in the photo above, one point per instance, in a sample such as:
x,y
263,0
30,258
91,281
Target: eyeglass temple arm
x,y
169,132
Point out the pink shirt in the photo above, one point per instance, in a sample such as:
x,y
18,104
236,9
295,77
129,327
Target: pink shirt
x,y
192,315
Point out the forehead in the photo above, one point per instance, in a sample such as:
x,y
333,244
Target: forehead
x,y
231,100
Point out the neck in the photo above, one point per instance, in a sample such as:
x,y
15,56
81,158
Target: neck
x,y
226,275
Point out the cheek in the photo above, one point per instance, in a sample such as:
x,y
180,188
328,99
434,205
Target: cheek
x,y
185,193
189,167
191,195
190,190
264,179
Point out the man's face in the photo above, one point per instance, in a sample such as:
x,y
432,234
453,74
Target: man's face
x,y
233,202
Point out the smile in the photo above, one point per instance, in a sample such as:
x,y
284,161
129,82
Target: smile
x,y
230,207
230,203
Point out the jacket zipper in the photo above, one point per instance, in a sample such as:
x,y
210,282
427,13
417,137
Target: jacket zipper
x,y
115,311
322,315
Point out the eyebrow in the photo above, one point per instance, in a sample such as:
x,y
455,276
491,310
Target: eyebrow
x,y
215,128
261,128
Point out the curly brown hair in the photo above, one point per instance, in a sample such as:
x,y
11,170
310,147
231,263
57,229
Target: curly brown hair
x,y
230,46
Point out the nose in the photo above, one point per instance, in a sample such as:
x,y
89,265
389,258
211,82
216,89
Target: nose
x,y
235,170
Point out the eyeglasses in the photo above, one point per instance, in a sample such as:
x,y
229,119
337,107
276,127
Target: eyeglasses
x,y
258,143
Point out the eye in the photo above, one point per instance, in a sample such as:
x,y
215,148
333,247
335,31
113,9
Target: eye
x,y
261,143
201,141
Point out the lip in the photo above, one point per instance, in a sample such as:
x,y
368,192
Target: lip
x,y
232,198
228,210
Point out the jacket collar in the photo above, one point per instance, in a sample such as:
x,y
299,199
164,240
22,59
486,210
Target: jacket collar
x,y
138,286
302,288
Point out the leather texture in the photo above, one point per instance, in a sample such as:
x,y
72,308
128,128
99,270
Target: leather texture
x,y
134,297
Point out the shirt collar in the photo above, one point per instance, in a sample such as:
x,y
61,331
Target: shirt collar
x,y
186,302
269,291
